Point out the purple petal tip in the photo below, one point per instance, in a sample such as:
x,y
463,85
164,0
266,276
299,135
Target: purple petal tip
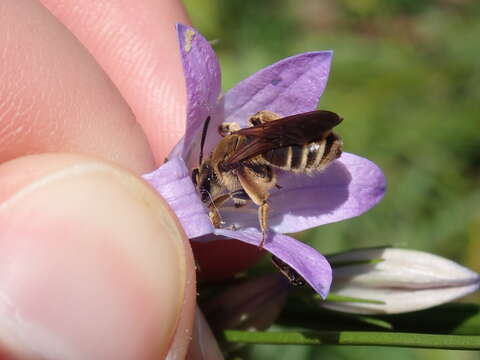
x,y
290,86
202,77
305,260
172,182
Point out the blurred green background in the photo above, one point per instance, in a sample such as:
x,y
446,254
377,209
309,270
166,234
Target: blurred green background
x,y
406,78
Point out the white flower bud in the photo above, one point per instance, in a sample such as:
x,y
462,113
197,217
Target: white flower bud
x,y
403,280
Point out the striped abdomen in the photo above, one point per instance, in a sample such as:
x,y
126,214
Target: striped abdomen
x,y
313,156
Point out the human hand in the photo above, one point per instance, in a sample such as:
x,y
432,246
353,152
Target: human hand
x,y
93,264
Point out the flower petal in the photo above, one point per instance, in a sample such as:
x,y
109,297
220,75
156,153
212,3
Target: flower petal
x,y
251,305
203,80
400,268
305,260
290,86
172,181
177,149
347,188
404,280
396,300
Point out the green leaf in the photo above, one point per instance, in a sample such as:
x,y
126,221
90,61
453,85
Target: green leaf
x,y
339,298
453,342
313,317
453,319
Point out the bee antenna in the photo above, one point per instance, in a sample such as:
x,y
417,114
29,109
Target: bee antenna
x,y
202,142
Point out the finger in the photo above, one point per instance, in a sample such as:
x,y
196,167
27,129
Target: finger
x,y
135,43
93,264
54,97
204,345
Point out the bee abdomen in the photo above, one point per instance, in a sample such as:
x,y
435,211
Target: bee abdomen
x,y
279,157
299,157
332,151
307,158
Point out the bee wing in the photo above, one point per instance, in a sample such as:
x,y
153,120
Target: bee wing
x,y
297,129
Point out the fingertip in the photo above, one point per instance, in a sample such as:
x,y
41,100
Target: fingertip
x,y
93,263
136,44
56,98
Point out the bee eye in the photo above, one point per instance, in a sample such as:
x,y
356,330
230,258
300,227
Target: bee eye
x,y
195,173
204,190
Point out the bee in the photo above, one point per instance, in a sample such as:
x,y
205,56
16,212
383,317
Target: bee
x,y
293,277
243,166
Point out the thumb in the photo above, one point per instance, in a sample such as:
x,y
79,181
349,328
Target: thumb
x,y
93,265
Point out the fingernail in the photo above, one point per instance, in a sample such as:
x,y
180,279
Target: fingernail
x,y
92,266
203,345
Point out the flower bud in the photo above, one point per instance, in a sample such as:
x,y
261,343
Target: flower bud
x,y
390,281
252,305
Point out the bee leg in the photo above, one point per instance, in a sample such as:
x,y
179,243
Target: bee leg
x,y
213,212
215,218
263,117
227,128
239,203
257,180
240,198
263,220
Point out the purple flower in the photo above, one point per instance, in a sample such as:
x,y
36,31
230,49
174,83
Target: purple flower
x,y
348,187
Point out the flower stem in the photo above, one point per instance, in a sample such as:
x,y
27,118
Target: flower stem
x,y
396,339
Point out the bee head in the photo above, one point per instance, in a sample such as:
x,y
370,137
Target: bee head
x,y
204,180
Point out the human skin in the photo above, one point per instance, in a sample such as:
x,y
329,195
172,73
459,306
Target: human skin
x,y
93,264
